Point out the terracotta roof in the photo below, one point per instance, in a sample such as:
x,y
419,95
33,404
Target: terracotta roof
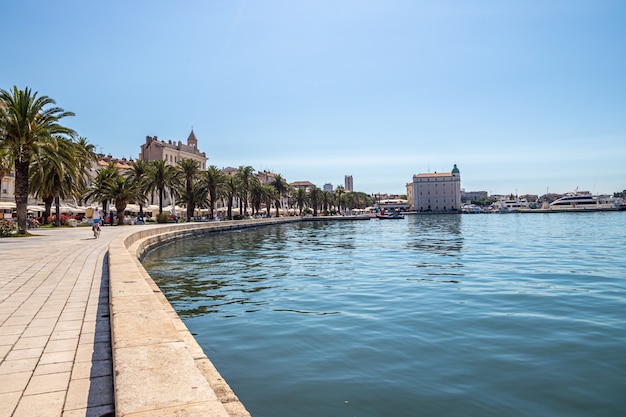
x,y
302,184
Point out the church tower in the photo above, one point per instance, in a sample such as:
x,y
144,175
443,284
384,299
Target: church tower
x,y
192,141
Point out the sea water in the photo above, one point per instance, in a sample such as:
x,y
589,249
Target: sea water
x,y
441,315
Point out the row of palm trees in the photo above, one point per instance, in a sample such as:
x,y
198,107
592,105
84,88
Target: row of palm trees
x,y
52,163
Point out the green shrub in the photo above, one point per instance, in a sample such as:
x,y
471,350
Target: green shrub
x,y
163,217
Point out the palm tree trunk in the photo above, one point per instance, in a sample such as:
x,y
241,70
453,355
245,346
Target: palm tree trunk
x,y
57,205
21,193
120,214
57,200
47,208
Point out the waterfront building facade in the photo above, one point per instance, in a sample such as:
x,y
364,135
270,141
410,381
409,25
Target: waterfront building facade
x,y
173,152
436,192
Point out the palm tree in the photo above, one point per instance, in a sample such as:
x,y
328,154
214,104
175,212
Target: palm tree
x,y
339,191
315,196
327,199
138,174
282,188
56,174
301,199
188,168
200,194
123,190
270,195
215,183
98,191
86,157
256,195
162,177
245,176
28,123
231,188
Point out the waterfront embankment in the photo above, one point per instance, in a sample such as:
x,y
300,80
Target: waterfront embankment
x,y
159,369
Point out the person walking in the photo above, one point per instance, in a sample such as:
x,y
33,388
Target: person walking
x,y
97,218
111,217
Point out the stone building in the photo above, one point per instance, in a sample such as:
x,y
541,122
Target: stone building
x,y
173,152
436,192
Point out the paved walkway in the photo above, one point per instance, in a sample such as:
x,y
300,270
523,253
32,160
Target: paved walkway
x,y
55,341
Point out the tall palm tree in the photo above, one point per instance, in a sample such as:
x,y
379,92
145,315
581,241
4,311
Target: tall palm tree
x,y
139,174
270,195
188,169
231,188
98,191
200,193
339,191
123,190
86,157
56,174
256,195
161,178
327,199
245,177
282,189
315,196
215,183
301,199
28,123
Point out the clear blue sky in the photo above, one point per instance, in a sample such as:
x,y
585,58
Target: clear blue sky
x,y
522,95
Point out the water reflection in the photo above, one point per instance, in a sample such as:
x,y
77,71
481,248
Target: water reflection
x,y
261,268
438,234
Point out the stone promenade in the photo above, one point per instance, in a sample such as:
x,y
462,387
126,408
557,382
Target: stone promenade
x,y
55,337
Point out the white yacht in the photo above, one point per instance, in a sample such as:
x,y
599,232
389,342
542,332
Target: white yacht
x,y
584,200
511,205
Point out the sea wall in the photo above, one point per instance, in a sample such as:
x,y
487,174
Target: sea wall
x,y
159,369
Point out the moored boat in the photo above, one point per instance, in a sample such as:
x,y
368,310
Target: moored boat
x,y
383,215
584,201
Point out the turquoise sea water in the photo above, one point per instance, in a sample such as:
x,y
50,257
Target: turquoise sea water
x,y
474,315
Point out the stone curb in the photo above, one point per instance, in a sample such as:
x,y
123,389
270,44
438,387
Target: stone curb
x,y
158,367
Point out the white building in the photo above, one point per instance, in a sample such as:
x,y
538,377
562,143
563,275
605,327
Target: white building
x,y
435,193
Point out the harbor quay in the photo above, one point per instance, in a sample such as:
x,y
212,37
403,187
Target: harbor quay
x,y
85,331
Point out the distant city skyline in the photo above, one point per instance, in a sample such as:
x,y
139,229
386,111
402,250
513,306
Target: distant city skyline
x,y
524,97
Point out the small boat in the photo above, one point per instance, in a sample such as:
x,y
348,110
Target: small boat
x,y
394,215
